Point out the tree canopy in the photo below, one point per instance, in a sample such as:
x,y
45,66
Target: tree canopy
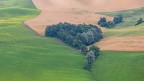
x,y
77,36
109,24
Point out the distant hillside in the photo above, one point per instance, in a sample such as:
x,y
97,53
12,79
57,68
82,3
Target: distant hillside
x,y
17,3
130,16
127,27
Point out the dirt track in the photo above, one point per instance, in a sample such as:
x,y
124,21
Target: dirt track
x,y
83,11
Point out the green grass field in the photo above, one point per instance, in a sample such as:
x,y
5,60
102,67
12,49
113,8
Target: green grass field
x,y
119,66
24,56
124,32
17,3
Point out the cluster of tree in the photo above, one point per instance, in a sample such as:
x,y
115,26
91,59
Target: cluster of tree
x,y
91,56
139,21
109,24
77,36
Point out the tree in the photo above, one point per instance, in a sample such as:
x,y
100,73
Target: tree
x,y
83,48
76,43
75,35
111,24
90,58
139,21
103,22
118,19
95,49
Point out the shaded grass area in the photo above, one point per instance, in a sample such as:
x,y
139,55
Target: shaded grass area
x,y
119,66
27,57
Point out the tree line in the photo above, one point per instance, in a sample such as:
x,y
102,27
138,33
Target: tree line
x,y
78,36
117,19
109,24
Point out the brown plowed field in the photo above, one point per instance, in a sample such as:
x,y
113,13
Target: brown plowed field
x,y
134,43
83,11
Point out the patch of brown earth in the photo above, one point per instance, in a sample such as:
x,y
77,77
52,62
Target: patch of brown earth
x,y
122,43
83,11
75,11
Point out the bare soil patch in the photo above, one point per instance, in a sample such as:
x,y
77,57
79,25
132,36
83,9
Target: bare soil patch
x,y
134,43
83,11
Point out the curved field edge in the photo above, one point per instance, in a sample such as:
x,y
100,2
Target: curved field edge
x,y
119,66
27,57
126,28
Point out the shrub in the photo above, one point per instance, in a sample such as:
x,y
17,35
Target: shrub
x,y
139,21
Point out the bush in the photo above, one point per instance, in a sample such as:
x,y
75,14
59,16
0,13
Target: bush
x,y
109,24
118,19
139,21
95,49
90,58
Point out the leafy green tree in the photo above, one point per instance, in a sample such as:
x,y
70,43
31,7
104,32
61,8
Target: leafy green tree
x,y
103,22
118,19
76,43
75,35
111,24
90,58
95,49
83,48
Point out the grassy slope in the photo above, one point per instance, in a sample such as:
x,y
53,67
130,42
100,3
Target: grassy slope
x,y
119,66
123,32
27,57
127,28
17,3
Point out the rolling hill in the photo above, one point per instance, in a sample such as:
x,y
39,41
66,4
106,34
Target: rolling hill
x,y
24,56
